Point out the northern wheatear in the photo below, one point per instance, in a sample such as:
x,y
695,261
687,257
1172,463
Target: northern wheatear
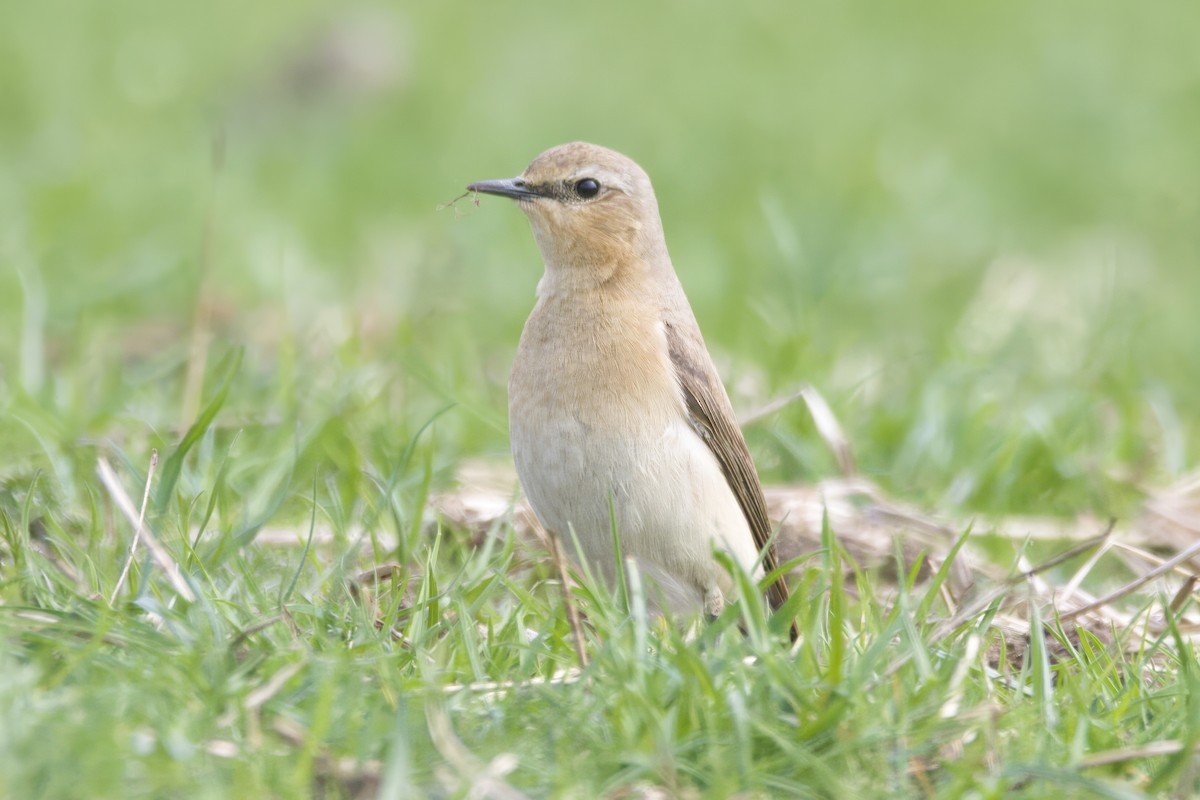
x,y
616,411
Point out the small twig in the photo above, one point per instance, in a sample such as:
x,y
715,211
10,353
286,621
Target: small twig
x,y
137,533
560,564
773,407
451,204
1167,747
823,417
246,633
1134,585
1184,593
1076,579
830,430
985,599
157,551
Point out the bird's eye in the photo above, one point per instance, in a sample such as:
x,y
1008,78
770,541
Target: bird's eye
x,y
587,188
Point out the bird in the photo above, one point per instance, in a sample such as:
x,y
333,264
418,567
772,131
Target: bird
x,y
618,419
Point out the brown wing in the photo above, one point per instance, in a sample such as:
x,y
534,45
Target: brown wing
x,y
711,416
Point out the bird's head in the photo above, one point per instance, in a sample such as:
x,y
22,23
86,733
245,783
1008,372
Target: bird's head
x,y
590,207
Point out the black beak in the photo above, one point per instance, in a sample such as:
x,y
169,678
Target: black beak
x,y
510,187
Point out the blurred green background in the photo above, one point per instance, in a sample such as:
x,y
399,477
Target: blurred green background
x,y
975,228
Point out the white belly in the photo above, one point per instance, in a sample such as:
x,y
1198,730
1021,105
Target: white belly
x,y
652,476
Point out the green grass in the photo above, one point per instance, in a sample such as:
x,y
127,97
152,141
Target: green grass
x,y
971,228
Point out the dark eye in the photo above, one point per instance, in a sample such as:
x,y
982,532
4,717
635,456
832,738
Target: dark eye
x,y
587,188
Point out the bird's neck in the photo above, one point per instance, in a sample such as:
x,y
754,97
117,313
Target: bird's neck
x,y
574,268
608,258
609,280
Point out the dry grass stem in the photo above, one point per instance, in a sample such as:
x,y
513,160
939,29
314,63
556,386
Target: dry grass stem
x,y
564,577
454,203
1135,584
830,430
1167,747
157,551
823,417
495,689
137,533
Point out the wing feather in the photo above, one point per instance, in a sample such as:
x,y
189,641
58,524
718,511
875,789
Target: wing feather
x,y
711,416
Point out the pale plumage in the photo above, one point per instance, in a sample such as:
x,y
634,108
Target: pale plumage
x,y
615,407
